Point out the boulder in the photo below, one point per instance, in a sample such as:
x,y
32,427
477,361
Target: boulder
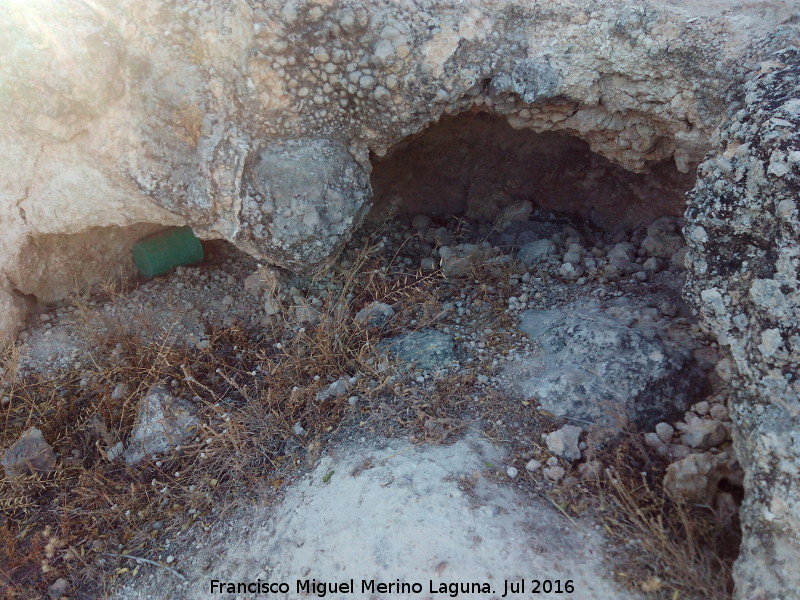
x,y
603,365
743,231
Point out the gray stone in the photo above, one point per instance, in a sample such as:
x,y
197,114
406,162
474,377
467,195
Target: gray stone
x,y
564,442
30,454
303,198
162,422
696,478
428,348
743,231
602,365
664,238
535,252
375,314
703,433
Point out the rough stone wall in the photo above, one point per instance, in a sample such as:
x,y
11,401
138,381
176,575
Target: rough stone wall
x,y
153,112
118,113
743,227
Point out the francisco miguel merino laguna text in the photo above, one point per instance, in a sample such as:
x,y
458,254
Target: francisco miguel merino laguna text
x,y
322,589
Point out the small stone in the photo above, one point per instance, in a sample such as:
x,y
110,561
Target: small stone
x,y
536,252
115,451
701,408
170,559
298,429
591,470
58,589
665,432
376,314
512,472
162,422
555,473
29,454
533,465
719,412
704,434
421,222
227,300
564,442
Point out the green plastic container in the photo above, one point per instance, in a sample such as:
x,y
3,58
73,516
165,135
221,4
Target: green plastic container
x,y
161,252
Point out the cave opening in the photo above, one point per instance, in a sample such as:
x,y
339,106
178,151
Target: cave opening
x,y
475,164
591,262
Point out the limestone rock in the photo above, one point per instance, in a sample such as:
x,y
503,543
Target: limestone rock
x,y
162,422
564,442
601,365
376,314
742,229
303,197
28,455
537,251
696,477
428,348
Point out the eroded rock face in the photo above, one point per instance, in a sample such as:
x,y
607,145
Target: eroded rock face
x,y
140,112
302,199
744,232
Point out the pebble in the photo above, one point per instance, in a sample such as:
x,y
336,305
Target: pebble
x,y
512,472
533,465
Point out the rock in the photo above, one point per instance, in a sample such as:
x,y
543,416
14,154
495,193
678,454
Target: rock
x,y
519,211
533,465
512,472
665,432
338,389
555,473
652,266
375,314
664,238
703,433
564,442
427,348
601,365
570,271
115,451
299,430
162,422
457,260
535,252
655,442
59,588
313,194
30,454
621,258
696,477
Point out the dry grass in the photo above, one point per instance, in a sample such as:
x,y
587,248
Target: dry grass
x,y
667,548
85,520
81,519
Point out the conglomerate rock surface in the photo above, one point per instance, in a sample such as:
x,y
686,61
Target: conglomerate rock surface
x,y
124,113
143,114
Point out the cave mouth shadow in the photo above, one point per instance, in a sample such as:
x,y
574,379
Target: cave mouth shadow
x,y
475,163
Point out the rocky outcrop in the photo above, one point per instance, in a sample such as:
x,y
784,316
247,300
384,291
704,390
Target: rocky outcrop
x,y
744,232
139,113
